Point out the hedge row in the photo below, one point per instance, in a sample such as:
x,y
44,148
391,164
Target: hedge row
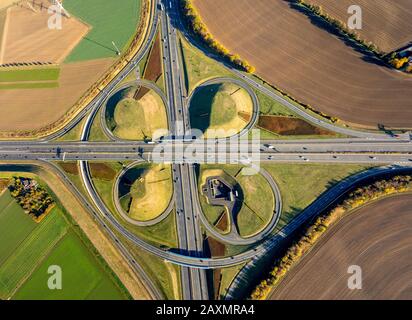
x,y
354,200
199,28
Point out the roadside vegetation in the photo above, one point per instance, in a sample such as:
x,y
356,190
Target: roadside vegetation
x,y
324,222
74,134
198,67
165,275
96,131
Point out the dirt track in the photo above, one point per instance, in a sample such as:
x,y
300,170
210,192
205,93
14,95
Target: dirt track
x,y
378,238
308,62
29,109
385,22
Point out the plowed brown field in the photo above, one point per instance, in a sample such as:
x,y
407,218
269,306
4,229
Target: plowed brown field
x,y
307,61
30,109
27,38
385,22
378,238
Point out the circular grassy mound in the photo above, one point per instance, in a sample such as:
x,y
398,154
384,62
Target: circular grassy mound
x,y
223,106
136,113
145,191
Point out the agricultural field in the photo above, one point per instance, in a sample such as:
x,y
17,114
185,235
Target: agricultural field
x,y
48,105
222,106
34,74
301,56
133,103
111,20
385,22
83,277
82,50
323,272
29,248
146,191
27,37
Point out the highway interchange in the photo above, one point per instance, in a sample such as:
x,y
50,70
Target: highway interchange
x,y
394,154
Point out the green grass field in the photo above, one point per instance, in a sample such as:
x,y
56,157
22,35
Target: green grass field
x,y
33,78
34,74
29,248
269,106
301,184
111,20
31,251
96,132
258,204
139,120
15,225
198,67
30,85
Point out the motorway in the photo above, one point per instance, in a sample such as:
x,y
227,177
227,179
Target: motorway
x,y
365,148
194,283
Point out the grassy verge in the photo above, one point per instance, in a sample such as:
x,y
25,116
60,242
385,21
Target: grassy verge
x,y
75,133
96,131
198,67
301,184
